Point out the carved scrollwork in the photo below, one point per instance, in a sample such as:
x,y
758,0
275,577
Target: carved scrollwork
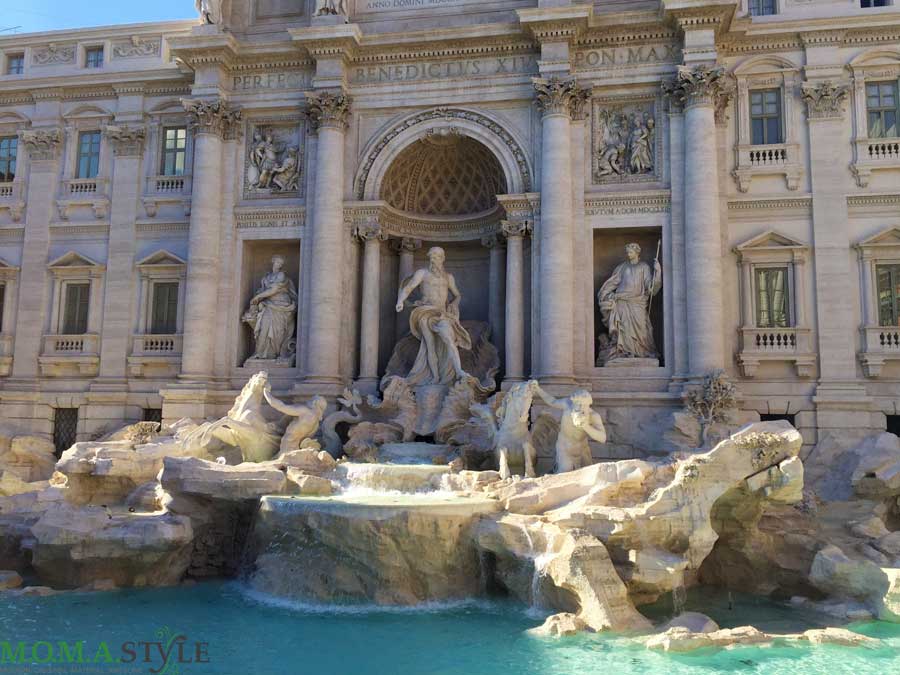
x,y
407,244
370,231
825,100
516,228
213,117
328,109
42,143
137,46
126,141
53,54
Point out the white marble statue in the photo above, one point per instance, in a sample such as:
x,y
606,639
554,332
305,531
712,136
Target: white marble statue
x,y
210,11
624,301
577,424
300,431
272,315
435,322
286,176
334,7
244,426
508,427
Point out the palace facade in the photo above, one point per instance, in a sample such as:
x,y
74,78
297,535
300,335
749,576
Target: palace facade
x,y
149,173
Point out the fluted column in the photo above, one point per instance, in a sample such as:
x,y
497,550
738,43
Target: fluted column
x,y
371,236
496,287
328,115
43,148
128,145
407,248
702,90
556,301
515,232
211,123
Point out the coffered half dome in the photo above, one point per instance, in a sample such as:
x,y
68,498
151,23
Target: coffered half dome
x,y
444,174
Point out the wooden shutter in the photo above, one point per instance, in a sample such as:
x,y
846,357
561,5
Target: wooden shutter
x,y
165,308
75,319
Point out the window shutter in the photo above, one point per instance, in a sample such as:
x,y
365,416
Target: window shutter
x,y
165,308
75,319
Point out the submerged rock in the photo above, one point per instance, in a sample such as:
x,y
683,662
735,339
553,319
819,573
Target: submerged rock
x,y
9,579
559,625
681,639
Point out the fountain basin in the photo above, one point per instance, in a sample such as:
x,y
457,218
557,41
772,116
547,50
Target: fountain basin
x,y
387,549
400,477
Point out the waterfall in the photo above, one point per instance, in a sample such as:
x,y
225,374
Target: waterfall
x,y
679,596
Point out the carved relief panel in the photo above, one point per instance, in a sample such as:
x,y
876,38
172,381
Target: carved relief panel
x,y
273,159
626,143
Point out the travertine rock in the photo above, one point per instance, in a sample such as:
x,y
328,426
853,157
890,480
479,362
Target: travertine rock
x,y
74,547
693,621
306,459
312,486
9,579
400,477
201,478
26,457
840,576
559,625
681,639
390,550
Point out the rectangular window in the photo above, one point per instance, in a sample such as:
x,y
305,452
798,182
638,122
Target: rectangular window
x,y
88,154
873,3
165,308
2,304
762,7
15,64
174,151
888,294
153,415
772,293
765,116
93,57
75,310
8,150
65,429
883,107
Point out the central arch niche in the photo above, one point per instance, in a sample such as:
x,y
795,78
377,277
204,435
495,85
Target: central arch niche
x,y
444,174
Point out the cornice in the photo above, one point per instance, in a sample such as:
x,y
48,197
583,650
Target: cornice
x,y
196,51
167,28
556,24
875,201
778,203
456,49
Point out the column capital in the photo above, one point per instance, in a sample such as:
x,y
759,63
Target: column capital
x,y
407,245
371,231
824,100
328,109
42,144
555,96
701,86
127,141
214,116
492,241
516,228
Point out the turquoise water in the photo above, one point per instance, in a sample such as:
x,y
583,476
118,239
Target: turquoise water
x,y
249,635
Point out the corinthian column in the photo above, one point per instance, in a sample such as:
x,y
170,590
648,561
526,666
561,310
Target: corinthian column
x,y
328,114
515,231
703,91
212,122
556,301
371,236
407,248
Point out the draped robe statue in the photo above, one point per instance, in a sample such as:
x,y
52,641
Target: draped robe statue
x,y
272,314
435,322
624,301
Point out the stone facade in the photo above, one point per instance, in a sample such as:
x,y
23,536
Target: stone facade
x,y
531,140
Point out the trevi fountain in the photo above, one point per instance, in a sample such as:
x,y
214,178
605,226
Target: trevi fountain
x,y
444,373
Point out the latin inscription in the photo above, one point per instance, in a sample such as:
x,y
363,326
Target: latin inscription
x,y
394,5
262,81
590,59
435,70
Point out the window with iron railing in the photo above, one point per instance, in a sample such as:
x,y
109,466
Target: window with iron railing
x,y
883,109
888,294
8,151
766,117
88,165
174,151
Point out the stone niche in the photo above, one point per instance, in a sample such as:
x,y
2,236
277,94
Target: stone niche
x,y
609,251
467,261
256,263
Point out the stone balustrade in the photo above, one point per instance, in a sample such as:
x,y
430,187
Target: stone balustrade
x,y
790,344
156,355
880,345
63,355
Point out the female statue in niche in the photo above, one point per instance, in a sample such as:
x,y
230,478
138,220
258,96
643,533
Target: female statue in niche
x,y
624,301
272,315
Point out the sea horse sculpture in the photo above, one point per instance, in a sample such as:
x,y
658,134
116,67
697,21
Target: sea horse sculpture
x,y
245,426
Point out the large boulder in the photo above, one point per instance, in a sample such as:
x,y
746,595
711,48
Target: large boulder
x,y
74,547
26,457
196,477
840,576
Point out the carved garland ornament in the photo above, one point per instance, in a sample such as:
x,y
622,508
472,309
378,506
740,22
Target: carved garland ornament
x,y
213,117
445,114
327,109
42,143
701,85
126,141
825,100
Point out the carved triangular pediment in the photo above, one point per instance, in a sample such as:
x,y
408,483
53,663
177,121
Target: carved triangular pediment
x,y
73,259
769,240
888,237
161,257
6,267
